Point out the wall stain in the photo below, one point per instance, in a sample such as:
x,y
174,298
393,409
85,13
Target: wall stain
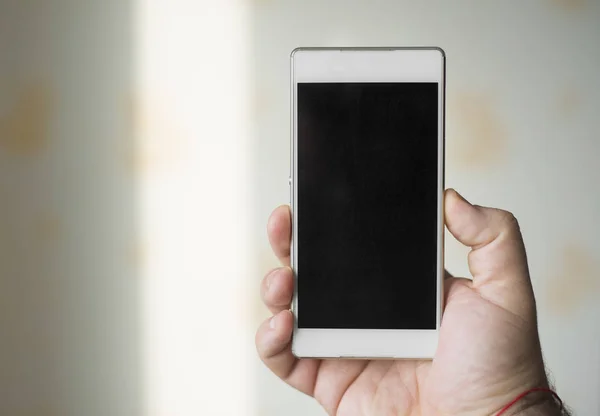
x,y
575,281
569,102
24,127
570,5
477,133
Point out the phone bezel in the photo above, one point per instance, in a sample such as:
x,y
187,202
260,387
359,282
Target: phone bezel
x,y
394,64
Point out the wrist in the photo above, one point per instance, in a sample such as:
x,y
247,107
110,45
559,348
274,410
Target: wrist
x,y
538,403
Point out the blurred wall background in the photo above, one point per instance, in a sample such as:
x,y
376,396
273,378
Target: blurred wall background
x,y
143,144
69,285
123,208
523,99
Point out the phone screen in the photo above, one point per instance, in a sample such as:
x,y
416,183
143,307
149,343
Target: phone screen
x,y
367,198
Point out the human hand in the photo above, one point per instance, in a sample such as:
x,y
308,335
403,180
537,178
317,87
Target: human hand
x,y
488,351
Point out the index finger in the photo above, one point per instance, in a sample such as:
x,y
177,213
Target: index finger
x,y
279,229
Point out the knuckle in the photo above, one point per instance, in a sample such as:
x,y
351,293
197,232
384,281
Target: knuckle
x,y
508,221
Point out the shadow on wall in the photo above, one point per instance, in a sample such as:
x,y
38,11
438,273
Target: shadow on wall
x,y
69,257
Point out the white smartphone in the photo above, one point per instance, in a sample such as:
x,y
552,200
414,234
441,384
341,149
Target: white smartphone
x,y
366,192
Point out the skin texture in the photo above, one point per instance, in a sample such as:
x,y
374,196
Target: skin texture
x,y
488,352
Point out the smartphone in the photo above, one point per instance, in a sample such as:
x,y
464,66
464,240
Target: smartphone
x,y
366,193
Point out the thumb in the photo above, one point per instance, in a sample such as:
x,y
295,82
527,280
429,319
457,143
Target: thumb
x,y
497,259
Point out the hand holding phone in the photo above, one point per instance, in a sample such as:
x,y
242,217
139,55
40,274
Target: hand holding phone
x,y
488,350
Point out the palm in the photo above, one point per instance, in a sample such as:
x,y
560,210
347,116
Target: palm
x,y
482,344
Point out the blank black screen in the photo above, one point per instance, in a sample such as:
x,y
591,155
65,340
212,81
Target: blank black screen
x,y
367,205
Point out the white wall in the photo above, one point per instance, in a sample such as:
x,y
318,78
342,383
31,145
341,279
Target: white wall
x,y
126,189
523,104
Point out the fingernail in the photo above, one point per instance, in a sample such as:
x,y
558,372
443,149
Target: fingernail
x,y
272,323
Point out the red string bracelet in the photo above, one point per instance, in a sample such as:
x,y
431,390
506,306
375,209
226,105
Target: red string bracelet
x,y
525,393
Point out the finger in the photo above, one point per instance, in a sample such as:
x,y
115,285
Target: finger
x,y
277,288
497,260
279,229
492,232
273,342
448,275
